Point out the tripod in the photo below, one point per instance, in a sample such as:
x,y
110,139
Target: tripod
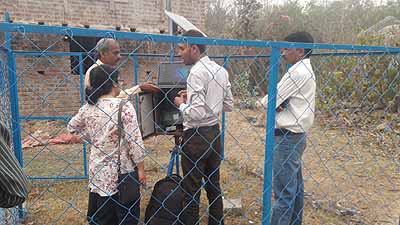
x,y
175,151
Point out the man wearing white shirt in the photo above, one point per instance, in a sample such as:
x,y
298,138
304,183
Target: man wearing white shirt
x,y
208,94
295,115
109,53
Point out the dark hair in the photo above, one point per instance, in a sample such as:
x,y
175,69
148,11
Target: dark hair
x,y
102,79
196,33
301,37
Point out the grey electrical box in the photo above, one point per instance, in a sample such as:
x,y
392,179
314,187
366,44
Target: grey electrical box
x,y
157,113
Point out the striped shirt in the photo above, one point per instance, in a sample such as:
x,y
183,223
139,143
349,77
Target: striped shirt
x,y
13,181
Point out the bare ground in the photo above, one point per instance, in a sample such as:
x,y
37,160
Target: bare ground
x,y
351,175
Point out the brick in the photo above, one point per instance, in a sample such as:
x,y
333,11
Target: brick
x,y
146,13
145,16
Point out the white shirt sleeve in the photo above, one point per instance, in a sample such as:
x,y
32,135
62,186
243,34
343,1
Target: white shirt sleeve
x,y
77,124
129,92
228,100
289,84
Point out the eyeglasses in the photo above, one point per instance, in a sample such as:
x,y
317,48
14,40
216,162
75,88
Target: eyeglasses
x,y
121,82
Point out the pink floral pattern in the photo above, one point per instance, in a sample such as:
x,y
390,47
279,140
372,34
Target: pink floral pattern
x,y
98,125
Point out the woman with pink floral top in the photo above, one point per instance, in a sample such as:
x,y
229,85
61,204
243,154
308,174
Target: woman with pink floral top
x,y
97,123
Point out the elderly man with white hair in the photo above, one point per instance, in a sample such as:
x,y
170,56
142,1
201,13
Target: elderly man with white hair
x,y
109,53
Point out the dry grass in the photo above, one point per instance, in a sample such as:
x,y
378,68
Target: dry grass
x,y
343,171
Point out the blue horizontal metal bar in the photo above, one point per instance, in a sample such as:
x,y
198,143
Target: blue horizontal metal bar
x,y
71,31
239,57
353,53
335,46
145,55
31,54
66,118
313,55
210,56
59,178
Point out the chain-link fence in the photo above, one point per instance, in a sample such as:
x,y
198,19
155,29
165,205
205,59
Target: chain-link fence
x,y
7,216
350,165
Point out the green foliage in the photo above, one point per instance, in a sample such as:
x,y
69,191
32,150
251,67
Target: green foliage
x,y
335,22
241,91
363,82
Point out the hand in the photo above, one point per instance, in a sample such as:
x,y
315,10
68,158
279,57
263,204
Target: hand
x,y
149,87
183,94
179,101
142,178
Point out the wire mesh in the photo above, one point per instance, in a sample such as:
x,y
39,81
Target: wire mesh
x,y
350,165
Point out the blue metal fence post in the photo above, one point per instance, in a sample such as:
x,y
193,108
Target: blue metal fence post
x,y
13,85
269,138
177,162
223,119
135,70
136,80
82,95
172,53
2,81
81,79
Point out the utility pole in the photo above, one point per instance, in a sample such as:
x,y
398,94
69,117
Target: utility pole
x,y
170,25
170,31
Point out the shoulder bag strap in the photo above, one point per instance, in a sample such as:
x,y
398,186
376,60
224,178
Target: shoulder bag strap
x,y
120,129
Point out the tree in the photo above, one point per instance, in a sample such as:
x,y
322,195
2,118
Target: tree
x,y
247,12
218,19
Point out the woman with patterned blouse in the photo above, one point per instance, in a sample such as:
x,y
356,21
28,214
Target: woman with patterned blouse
x,y
97,123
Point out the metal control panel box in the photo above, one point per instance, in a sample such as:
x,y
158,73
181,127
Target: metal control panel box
x,y
157,113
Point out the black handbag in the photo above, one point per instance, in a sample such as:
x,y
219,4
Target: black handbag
x,y
128,183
